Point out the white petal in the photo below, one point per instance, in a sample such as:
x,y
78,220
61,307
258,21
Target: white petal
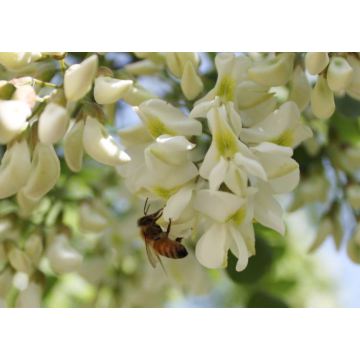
x,y
211,159
273,126
101,146
211,249
235,179
108,90
13,114
177,203
267,210
162,118
252,166
218,174
53,123
241,248
287,182
79,77
218,205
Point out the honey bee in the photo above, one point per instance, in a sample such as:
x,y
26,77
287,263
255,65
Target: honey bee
x,y
157,241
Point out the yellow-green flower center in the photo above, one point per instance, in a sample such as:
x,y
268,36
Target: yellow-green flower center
x,y
226,88
156,127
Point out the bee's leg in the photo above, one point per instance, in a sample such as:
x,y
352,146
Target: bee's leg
x,y
169,227
178,239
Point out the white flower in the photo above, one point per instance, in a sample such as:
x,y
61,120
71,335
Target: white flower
x,y
322,99
227,211
315,62
91,220
282,171
100,145
16,60
231,71
267,211
282,127
299,88
45,171
177,61
354,87
108,90
325,229
226,153
53,123
13,115
353,195
274,71
14,169
339,74
191,84
162,118
62,256
78,78
73,146
353,248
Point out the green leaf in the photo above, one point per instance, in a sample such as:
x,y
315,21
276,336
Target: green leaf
x,y
348,106
347,129
262,299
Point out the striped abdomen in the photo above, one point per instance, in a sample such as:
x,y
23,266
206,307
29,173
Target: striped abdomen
x,y
169,248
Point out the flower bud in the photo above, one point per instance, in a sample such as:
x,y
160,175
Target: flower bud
x,y
322,99
91,220
143,67
191,84
101,146
137,95
108,90
353,196
273,72
19,260
353,248
354,88
16,60
14,169
325,229
339,74
315,62
26,94
79,78
62,257
53,123
13,114
34,248
26,204
73,146
176,61
249,94
45,171
300,88
30,297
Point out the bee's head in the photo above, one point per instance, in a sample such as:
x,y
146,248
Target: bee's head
x,y
149,219
145,220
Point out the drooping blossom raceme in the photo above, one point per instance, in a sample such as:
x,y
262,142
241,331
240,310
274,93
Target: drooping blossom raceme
x,y
220,190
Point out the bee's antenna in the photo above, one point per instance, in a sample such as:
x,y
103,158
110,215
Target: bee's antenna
x,y
146,209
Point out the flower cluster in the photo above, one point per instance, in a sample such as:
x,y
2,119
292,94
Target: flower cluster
x,y
220,168
216,158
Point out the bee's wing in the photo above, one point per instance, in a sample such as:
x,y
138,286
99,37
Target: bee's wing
x,y
152,256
